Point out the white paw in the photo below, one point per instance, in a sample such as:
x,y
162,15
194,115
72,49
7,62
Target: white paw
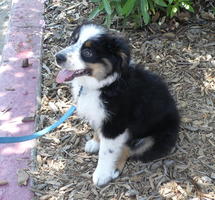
x,y
92,146
103,176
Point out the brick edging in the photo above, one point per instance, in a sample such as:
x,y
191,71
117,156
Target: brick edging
x,y
19,80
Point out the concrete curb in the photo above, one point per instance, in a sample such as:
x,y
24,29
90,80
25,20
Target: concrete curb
x,y
19,80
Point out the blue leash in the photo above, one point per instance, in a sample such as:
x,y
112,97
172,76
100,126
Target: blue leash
x,y
39,133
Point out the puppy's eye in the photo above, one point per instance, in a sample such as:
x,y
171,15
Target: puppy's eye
x,y
87,53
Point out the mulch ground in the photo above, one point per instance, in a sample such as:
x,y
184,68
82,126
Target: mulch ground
x,y
182,51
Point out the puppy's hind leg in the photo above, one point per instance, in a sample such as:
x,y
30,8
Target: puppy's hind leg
x,y
92,146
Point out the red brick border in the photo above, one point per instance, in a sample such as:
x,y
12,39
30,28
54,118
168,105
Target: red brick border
x,y
18,91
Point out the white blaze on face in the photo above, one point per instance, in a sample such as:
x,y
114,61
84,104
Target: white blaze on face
x,y
89,31
72,52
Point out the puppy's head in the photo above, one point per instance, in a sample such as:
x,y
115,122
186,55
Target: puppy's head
x,y
93,53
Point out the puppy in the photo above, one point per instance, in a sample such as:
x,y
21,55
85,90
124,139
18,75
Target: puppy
x,y
130,109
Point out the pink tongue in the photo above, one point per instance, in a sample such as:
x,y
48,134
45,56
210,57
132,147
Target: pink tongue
x,y
64,75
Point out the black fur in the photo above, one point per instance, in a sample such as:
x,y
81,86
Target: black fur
x,y
138,101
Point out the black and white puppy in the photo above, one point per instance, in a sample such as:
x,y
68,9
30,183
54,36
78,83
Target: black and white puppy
x,y
130,109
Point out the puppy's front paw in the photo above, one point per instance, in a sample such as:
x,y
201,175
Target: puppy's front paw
x,y
103,176
92,146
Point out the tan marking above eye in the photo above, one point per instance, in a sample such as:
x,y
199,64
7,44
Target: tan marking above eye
x,y
88,44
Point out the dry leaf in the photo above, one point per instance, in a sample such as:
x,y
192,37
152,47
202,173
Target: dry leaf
x,y
22,177
3,182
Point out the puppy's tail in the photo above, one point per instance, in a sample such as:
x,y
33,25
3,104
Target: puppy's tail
x,y
156,146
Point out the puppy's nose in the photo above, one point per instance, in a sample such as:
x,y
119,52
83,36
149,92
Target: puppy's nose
x,y
60,58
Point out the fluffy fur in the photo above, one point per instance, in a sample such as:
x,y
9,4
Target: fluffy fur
x,y
131,109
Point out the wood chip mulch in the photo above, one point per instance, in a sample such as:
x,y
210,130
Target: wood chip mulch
x,y
183,53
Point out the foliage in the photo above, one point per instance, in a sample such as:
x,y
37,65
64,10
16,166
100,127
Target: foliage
x,y
139,10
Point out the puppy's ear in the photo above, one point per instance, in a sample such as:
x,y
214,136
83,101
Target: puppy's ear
x,y
117,47
122,50
125,58
75,34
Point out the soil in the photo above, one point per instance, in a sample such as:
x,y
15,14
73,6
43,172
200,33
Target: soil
x,y
182,51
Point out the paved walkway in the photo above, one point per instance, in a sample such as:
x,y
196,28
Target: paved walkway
x,y
4,19
19,81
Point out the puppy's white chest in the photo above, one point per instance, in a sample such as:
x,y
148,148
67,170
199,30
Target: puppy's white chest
x,y
90,107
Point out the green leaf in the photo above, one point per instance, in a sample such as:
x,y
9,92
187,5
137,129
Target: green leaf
x,y
146,18
151,7
173,11
187,6
108,20
191,9
170,1
169,8
144,6
107,6
95,12
118,8
161,3
137,18
128,7
213,10
95,1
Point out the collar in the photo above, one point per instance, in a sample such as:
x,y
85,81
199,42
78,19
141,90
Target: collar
x,y
103,83
80,91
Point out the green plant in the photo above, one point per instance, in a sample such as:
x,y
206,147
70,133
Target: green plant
x,y
139,10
